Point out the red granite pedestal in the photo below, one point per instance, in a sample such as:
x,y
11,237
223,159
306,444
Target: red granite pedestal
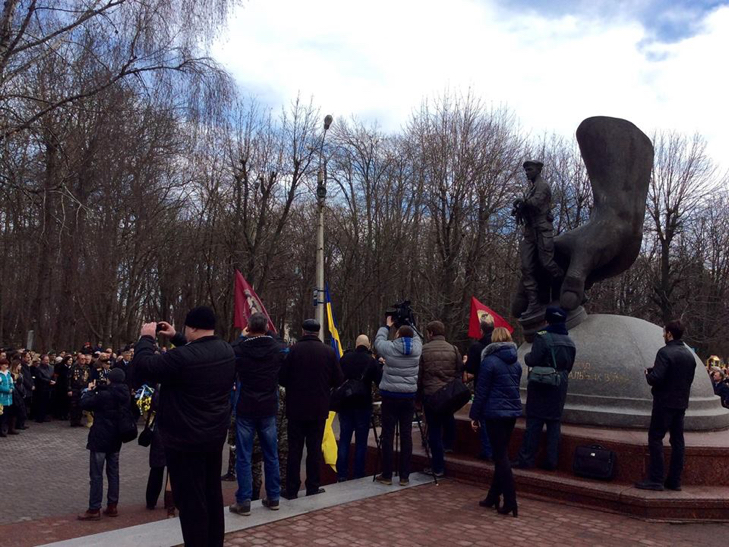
x,y
705,494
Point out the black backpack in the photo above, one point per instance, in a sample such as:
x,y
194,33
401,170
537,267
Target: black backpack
x,y
126,424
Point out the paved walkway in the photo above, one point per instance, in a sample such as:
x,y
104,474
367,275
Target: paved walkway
x,y
44,478
448,515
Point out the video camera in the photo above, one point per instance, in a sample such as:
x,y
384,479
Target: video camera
x,y
401,314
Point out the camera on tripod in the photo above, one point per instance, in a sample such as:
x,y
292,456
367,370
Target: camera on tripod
x,y
401,314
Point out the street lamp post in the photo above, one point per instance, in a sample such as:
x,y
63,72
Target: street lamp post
x,y
321,194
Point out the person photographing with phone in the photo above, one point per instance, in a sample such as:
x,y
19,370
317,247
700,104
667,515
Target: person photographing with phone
x,y
193,415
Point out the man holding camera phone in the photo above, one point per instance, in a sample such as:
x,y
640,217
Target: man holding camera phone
x,y
670,377
193,415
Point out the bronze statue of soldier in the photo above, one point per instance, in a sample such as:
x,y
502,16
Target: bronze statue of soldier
x,y
537,246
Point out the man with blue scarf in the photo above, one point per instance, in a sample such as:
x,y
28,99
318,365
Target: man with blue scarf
x,y
552,347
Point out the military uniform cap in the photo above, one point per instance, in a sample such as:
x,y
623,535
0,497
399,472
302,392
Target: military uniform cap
x,y
535,163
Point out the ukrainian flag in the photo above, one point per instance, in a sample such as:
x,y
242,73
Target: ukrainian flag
x,y
329,442
336,344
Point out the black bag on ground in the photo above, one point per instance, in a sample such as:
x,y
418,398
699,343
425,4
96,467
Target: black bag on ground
x,y
126,424
594,462
350,392
449,399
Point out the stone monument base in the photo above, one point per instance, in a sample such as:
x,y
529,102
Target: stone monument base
x,y
705,494
607,386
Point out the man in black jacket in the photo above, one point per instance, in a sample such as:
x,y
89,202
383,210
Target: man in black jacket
x,y
473,365
258,361
552,347
354,416
104,442
193,416
309,372
670,377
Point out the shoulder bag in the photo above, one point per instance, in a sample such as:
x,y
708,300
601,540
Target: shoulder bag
x,y
549,376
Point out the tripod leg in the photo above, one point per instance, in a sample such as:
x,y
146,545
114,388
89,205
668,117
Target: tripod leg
x,y
396,469
378,442
426,445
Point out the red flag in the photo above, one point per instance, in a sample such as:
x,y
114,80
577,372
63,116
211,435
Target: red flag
x,y
247,303
477,311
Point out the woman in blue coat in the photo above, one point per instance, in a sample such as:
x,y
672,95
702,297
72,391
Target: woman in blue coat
x,y
497,404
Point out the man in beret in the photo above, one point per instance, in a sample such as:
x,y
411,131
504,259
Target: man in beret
x,y
537,245
193,417
309,372
552,347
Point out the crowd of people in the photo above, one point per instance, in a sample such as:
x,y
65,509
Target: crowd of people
x,y
719,378
270,400
45,387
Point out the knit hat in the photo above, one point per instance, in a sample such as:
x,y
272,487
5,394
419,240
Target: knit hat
x,y
555,315
202,318
116,376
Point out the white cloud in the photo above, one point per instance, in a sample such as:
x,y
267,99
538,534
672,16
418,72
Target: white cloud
x,y
381,58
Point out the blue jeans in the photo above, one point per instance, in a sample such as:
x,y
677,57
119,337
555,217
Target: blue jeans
x,y
355,421
96,474
266,430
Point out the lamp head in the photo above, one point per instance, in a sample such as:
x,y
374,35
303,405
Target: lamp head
x,y
327,121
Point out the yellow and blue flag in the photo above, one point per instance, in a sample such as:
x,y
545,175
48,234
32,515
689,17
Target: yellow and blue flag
x,y
336,343
329,442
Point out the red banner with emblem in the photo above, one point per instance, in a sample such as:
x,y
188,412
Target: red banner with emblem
x,y
478,310
247,303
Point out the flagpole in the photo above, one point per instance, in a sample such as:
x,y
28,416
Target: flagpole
x,y
321,194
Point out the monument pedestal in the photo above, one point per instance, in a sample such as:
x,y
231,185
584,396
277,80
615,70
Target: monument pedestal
x,y
607,386
705,494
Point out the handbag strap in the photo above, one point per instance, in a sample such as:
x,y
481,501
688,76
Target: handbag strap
x,y
548,338
151,415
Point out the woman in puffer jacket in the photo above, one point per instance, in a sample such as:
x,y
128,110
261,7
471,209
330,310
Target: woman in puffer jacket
x,y
498,405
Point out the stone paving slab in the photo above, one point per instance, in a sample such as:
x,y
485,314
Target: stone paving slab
x,y
46,468
449,515
167,533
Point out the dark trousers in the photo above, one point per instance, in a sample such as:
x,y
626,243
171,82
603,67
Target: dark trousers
x,y
354,421
195,477
96,474
530,443
483,435
5,420
75,412
44,403
440,428
663,420
397,411
309,433
29,408
60,402
154,485
20,414
499,430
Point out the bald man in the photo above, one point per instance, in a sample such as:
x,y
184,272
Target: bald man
x,y
354,415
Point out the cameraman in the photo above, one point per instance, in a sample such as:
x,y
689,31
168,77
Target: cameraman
x,y
104,399
398,387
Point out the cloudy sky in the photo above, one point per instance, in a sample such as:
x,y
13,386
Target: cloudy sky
x,y
661,64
